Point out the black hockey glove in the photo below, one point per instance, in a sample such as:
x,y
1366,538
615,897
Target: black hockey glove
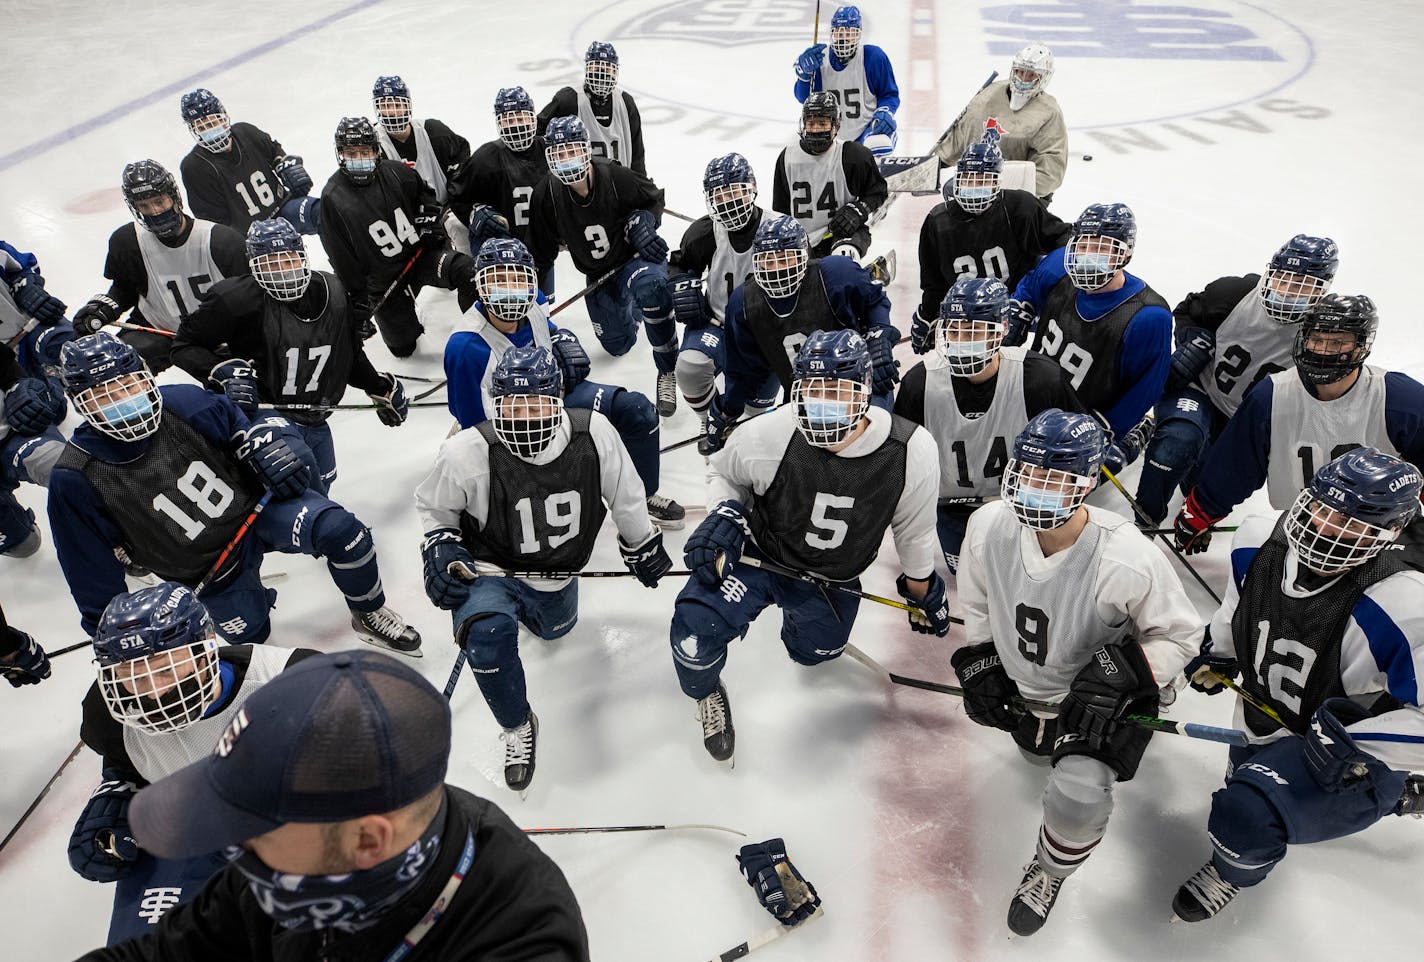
x,y
438,552
28,665
238,380
430,232
263,449
848,219
1198,347
689,304
648,561
294,175
1115,676
989,692
1123,451
572,359
1022,320
885,370
717,426
99,310
779,887
641,230
102,848
33,405
921,333
392,407
486,223
1202,670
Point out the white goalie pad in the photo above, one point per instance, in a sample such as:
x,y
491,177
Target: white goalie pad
x,y
915,175
1019,175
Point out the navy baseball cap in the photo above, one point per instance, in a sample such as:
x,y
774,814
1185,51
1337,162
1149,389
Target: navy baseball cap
x,y
332,738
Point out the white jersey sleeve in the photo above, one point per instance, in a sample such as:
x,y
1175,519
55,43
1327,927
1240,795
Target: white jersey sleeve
x,y
913,524
1134,577
971,580
1383,651
748,463
458,483
1252,533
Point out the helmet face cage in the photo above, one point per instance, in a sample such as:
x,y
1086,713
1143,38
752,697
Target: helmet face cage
x,y
393,113
165,691
527,423
516,128
212,132
828,409
1288,296
568,162
127,407
600,76
283,274
732,205
968,344
165,223
845,41
779,272
1043,498
1092,260
507,290
1328,541
1323,367
976,190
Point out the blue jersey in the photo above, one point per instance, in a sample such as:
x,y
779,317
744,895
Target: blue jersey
x,y
467,362
879,76
16,264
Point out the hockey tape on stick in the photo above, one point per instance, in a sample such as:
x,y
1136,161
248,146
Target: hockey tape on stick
x,y
775,568
139,327
765,938
465,573
236,539
630,828
949,131
396,283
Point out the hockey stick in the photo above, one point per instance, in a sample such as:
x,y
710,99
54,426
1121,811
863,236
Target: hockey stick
x,y
458,569
395,283
1171,531
1170,542
591,286
816,28
770,935
236,538
823,583
732,427
419,380
629,828
139,327
949,131
467,574
414,402
679,215
1229,736
41,796
1251,700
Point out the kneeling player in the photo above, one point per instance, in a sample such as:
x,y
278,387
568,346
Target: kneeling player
x,y
526,492
826,475
1085,613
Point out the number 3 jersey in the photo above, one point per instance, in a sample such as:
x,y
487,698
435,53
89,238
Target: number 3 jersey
x,y
592,227
165,277
1360,635
539,515
1047,615
827,512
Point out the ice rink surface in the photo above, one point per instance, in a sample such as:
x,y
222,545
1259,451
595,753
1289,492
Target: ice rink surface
x,y
1227,126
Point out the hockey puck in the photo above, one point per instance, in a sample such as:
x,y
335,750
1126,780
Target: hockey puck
x,y
1087,156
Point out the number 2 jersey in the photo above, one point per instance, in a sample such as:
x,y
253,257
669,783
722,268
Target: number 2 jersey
x,y
539,515
1047,615
164,278
501,178
1250,344
827,512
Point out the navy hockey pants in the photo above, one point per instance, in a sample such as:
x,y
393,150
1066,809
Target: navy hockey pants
x,y
153,887
638,292
632,416
1187,423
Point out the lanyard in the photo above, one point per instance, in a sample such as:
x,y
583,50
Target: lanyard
x,y
442,902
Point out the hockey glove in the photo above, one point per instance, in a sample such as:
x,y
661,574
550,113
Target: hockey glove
x,y
263,449
649,561
1115,677
29,665
719,538
885,370
1337,763
439,550
1123,451
689,304
34,300
391,407
809,62
931,616
989,692
294,175
779,887
99,310
1202,670
238,380
641,230
1022,320
716,427
881,122
102,848
848,219
33,405
1192,526
922,334
430,233
486,223
1197,348
50,343
572,359
1411,802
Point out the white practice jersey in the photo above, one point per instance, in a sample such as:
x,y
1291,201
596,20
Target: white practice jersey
x,y
749,464
177,276
817,186
478,324
427,165
1046,616
1250,345
15,322
156,755
459,482
1308,433
1381,651
974,451
856,98
728,270
614,141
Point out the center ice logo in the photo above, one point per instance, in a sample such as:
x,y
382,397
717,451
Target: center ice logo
x,y
722,23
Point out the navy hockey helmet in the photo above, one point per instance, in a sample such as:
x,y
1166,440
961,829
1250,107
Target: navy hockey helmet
x,y
600,69
278,258
390,97
206,118
110,386
1335,314
1298,276
780,254
528,393
976,179
821,105
730,189
157,654
514,114
356,150
144,184
1102,242
845,32
1354,507
1053,467
567,150
830,386
505,278
973,319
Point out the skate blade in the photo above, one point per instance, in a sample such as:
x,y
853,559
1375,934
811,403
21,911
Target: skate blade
x,y
377,643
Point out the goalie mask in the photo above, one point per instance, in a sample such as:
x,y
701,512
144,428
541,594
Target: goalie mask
x,y
1032,69
830,386
528,393
111,386
1053,468
1354,508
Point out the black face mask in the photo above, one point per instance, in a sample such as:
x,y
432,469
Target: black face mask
x,y
166,224
817,143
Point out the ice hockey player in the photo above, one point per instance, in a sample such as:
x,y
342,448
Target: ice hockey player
x,y
608,215
1030,117
1086,613
607,112
30,444
288,337
787,297
236,173
432,148
812,487
860,78
382,231
974,397
1230,335
1107,328
526,491
168,474
22,660
1331,402
32,321
492,191
166,690
980,230
1322,624
159,272
830,186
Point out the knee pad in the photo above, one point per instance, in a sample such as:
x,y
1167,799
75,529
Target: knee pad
x,y
632,413
1078,799
1177,443
696,378
341,538
1247,835
490,640
649,288
699,635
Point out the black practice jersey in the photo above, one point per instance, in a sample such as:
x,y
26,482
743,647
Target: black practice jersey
x,y
780,337
369,230
451,150
1045,385
565,104
592,227
501,178
1006,241
124,265
237,186
1207,308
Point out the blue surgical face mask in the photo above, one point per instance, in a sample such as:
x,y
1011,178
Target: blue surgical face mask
x,y
134,408
966,349
828,413
215,135
1095,262
360,165
1041,499
496,294
1287,303
570,167
974,193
